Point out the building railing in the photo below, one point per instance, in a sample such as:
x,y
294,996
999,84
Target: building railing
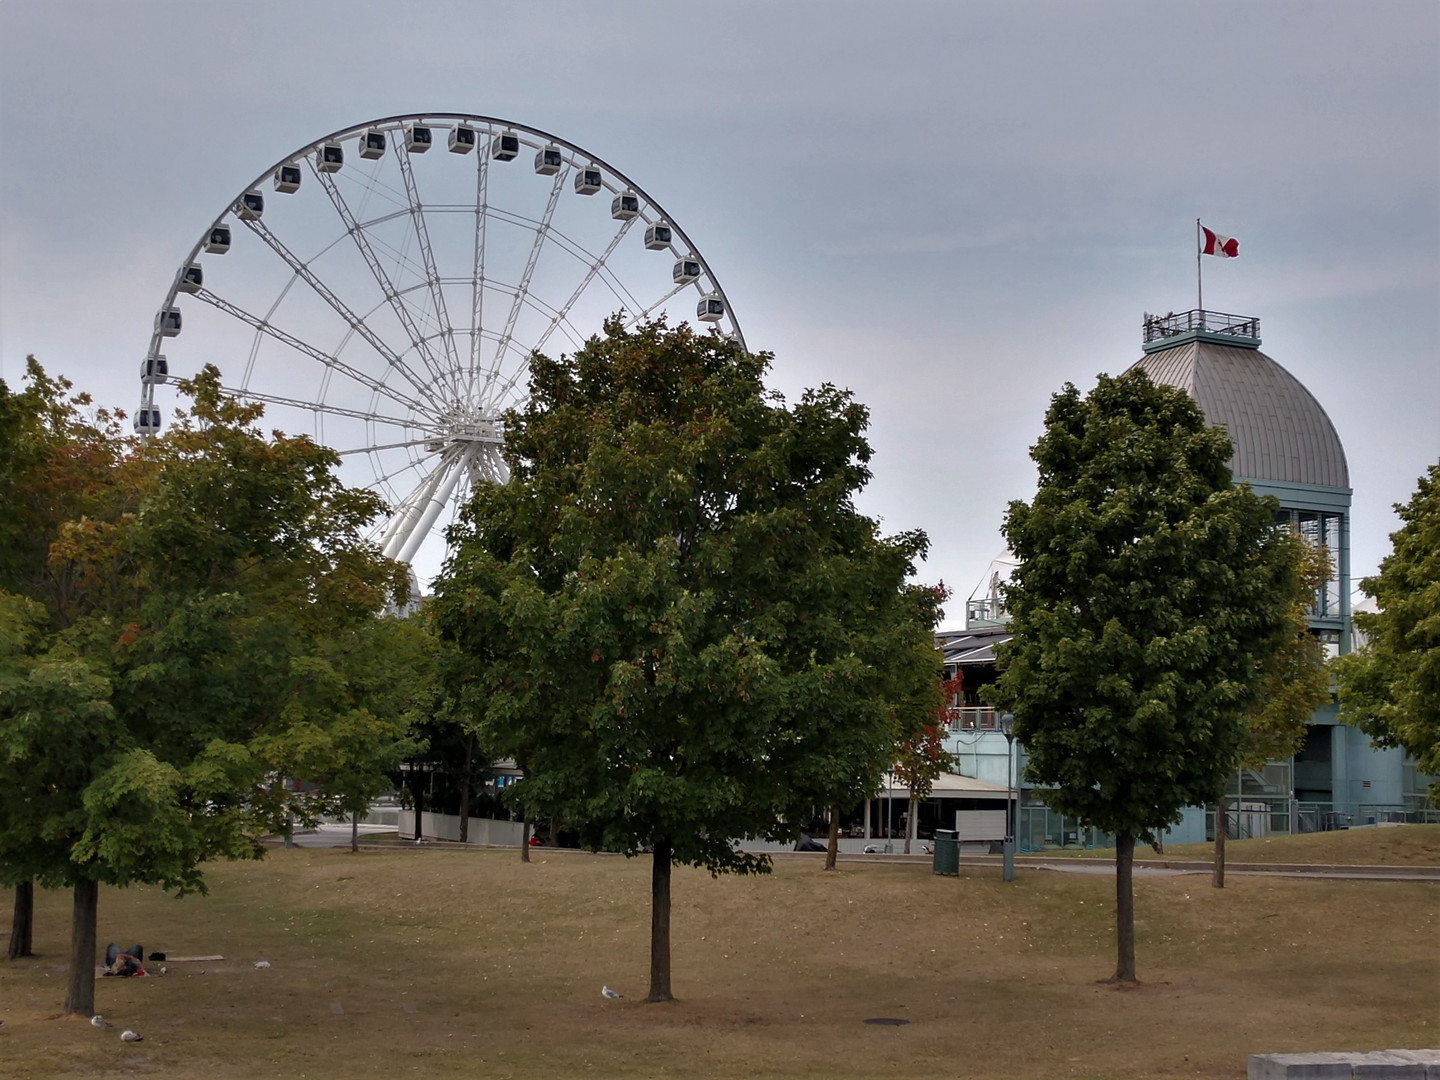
x,y
1173,324
985,610
972,718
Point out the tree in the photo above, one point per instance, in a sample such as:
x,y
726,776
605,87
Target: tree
x,y
921,757
1296,683
154,659
1149,593
355,701
1390,688
852,762
676,607
52,461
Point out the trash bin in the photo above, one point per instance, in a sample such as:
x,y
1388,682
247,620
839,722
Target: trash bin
x,y
947,852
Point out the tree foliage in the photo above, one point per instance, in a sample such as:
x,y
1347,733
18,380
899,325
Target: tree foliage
x,y
1149,597
1390,688
1296,679
189,619
683,629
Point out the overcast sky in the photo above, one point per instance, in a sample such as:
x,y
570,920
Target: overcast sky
x,y
951,209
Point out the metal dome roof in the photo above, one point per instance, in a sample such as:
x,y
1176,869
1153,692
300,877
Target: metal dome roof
x,y
1280,432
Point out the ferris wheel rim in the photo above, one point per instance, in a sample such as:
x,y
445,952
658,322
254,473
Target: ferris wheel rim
x,y
390,122
423,358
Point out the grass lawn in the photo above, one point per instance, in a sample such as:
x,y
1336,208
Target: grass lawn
x,y
444,962
1381,845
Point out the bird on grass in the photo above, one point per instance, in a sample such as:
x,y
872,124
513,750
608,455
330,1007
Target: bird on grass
x,y
98,1021
130,1036
606,992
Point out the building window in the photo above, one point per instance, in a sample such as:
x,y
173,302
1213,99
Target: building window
x,y
1320,528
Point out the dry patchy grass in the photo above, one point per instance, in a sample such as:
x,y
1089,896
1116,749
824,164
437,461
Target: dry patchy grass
x,y
443,962
1381,845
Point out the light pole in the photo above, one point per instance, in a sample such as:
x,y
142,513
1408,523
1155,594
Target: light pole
x,y
1007,725
889,809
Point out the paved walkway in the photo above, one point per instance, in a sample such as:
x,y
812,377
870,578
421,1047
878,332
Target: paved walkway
x,y
338,835
1175,868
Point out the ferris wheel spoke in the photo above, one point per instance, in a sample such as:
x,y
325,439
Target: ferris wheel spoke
x,y
477,281
405,445
385,480
320,408
522,290
427,256
355,322
590,272
638,316
330,362
387,288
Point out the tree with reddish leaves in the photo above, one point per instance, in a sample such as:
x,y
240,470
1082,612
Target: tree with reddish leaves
x,y
921,757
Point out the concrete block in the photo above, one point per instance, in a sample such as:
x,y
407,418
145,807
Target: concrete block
x,y
1430,1059
1318,1066
1387,1065
1354,1065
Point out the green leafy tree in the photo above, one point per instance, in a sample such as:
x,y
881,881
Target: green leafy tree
x,y
850,766
190,589
355,702
675,607
1149,593
1296,683
56,455
1390,688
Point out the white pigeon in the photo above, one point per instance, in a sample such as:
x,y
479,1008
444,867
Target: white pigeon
x,y
605,991
130,1036
262,964
98,1021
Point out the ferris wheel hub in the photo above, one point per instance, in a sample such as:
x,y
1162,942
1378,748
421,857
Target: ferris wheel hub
x,y
459,430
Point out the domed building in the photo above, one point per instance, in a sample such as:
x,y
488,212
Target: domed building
x,y
1285,446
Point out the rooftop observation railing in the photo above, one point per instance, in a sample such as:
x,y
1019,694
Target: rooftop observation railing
x,y
983,611
1173,324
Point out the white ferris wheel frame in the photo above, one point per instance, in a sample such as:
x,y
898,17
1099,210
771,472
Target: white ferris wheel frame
x,y
449,406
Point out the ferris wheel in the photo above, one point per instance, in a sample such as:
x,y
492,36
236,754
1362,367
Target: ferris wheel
x,y
382,290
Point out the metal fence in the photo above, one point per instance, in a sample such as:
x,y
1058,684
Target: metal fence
x,y
1173,324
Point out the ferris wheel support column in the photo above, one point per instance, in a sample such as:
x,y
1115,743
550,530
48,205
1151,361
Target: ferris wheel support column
x,y
402,523
459,465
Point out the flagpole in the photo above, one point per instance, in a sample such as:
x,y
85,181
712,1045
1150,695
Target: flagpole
x,y
1199,286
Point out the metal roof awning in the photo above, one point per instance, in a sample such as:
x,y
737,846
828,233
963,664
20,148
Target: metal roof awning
x,y
951,786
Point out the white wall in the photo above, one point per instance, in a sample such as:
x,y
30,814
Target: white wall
x,y
483,831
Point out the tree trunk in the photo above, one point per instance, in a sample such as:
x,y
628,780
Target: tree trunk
x,y
23,923
1124,908
910,830
1217,876
525,842
465,792
355,832
415,790
833,847
80,996
660,923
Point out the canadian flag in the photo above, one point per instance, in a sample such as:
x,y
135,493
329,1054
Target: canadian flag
x,y
1215,244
